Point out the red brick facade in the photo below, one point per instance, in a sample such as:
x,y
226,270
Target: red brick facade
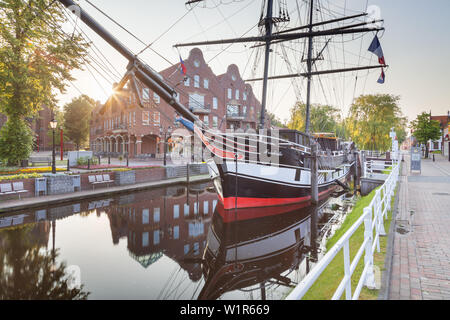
x,y
222,102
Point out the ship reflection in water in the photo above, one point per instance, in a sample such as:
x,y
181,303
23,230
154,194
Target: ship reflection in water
x,y
159,244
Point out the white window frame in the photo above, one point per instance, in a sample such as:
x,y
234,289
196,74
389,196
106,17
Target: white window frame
x,y
230,93
206,83
196,81
156,98
146,118
146,94
237,95
157,118
187,82
215,103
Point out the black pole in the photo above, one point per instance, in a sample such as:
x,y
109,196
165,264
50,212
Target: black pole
x,y
309,68
53,153
269,24
165,149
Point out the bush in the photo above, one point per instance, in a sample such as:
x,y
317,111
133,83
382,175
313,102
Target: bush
x,y
83,161
16,141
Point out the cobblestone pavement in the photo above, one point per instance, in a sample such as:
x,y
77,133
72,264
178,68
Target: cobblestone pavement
x,y
421,253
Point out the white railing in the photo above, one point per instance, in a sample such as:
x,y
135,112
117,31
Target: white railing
x,y
378,167
373,220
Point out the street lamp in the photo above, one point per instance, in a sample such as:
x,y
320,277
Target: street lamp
x,y
169,131
53,125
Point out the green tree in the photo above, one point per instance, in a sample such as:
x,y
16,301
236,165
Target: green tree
x,y
425,129
36,61
323,118
371,118
77,117
275,121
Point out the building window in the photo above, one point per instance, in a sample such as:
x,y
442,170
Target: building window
x,y
157,118
145,239
186,209
156,237
145,216
205,207
196,101
197,81
146,118
237,94
206,120
176,232
215,103
156,98
206,83
244,110
146,94
156,214
134,117
215,122
187,81
244,96
176,211
230,93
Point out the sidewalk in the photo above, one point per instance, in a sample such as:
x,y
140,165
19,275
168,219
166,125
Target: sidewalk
x,y
15,205
421,252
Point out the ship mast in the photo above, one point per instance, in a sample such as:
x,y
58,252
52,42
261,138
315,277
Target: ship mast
x,y
269,25
309,67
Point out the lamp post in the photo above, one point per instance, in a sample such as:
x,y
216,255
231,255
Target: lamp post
x,y
169,131
53,125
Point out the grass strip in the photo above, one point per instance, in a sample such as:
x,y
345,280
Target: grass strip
x,y
329,280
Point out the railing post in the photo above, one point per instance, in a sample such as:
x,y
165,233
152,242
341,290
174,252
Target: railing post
x,y
380,215
369,281
348,285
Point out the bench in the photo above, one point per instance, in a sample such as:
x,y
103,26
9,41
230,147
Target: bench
x,y
100,179
12,189
46,160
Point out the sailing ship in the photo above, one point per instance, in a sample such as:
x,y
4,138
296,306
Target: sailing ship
x,y
243,168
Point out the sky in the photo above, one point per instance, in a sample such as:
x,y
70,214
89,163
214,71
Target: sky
x,y
415,43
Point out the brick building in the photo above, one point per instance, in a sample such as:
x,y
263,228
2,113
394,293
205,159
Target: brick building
x,y
222,102
444,122
40,124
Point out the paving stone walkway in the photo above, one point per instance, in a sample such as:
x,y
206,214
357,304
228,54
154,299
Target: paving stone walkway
x,y
421,253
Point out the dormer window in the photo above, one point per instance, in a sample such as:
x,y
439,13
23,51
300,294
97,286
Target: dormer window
x,y
197,63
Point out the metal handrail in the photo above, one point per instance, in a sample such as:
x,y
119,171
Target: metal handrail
x,y
373,218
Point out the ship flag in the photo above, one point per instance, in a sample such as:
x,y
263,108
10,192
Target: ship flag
x,y
375,47
183,67
382,77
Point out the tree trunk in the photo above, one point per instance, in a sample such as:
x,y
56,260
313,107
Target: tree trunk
x,y
426,150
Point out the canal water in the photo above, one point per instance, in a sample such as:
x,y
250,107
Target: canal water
x,y
169,243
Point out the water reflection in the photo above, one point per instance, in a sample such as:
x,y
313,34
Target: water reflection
x,y
28,270
180,244
257,252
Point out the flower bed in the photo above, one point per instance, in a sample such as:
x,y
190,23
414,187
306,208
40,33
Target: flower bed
x,y
30,171
22,176
111,166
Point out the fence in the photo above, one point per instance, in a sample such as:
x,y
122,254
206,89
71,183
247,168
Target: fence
x,y
373,220
378,169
